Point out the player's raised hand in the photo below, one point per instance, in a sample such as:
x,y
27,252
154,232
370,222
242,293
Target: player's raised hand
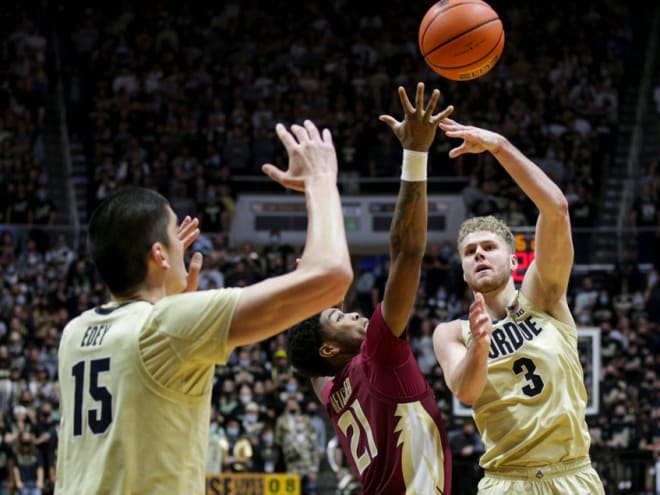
x,y
475,139
195,266
417,130
481,326
188,232
311,155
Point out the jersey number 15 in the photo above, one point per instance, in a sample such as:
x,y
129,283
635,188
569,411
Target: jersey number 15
x,y
100,417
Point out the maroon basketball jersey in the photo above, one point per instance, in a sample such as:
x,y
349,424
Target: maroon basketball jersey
x,y
387,419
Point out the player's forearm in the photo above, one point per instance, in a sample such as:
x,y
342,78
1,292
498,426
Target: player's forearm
x,y
469,378
533,181
409,224
325,246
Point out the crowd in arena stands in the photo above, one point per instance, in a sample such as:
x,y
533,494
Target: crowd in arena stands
x,y
183,102
182,109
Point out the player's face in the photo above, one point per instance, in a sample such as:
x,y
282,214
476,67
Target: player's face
x,y
176,275
347,329
487,261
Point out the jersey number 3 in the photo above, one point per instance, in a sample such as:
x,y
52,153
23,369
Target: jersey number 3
x,y
354,419
100,417
535,384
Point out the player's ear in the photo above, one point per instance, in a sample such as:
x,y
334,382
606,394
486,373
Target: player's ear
x,y
328,350
157,255
514,262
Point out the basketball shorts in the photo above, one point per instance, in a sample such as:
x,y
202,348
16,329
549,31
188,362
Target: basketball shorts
x,y
575,477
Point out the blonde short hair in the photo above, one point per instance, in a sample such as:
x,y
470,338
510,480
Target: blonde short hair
x,y
490,224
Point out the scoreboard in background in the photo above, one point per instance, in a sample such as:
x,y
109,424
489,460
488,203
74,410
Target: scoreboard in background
x,y
367,219
252,484
524,246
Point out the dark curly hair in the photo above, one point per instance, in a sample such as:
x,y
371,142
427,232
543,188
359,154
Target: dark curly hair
x,y
303,343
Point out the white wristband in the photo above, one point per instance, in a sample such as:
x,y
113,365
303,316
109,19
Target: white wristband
x,y
413,168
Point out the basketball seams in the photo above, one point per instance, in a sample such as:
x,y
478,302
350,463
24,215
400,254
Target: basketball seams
x,y
459,67
446,8
463,33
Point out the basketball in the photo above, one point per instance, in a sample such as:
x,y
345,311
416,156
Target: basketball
x,y
461,39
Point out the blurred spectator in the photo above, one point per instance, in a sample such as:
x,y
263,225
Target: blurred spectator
x,y
217,445
586,296
422,346
268,457
252,422
318,424
466,448
28,466
295,434
239,449
6,467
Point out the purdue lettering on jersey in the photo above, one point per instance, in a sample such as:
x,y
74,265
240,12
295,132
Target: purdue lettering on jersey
x,y
511,336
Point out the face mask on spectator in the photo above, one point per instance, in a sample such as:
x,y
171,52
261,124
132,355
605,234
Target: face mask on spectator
x,y
232,432
268,438
245,399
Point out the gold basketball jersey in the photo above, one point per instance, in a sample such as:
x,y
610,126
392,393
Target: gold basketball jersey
x,y
532,410
136,383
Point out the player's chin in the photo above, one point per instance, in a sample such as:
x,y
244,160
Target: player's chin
x,y
487,282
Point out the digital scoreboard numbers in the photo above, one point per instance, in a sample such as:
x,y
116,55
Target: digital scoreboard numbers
x,y
524,246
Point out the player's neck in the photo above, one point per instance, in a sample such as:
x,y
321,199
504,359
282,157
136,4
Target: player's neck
x,y
142,293
497,302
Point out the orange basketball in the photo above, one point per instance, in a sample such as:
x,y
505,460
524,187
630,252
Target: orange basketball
x,y
461,39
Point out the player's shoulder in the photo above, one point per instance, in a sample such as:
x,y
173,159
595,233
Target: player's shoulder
x,y
448,329
455,323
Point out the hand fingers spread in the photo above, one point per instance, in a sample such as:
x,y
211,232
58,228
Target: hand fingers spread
x,y
327,136
273,172
300,132
419,97
188,231
405,102
190,238
311,129
389,120
285,136
444,114
433,101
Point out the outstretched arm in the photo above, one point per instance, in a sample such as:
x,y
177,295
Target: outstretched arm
x,y
408,231
324,272
546,280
